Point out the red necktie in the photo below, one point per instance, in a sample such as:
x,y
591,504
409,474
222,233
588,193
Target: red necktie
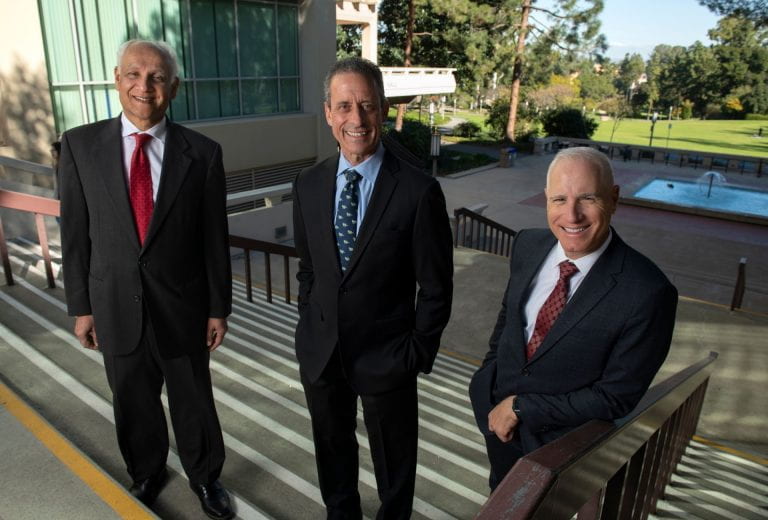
x,y
551,308
141,186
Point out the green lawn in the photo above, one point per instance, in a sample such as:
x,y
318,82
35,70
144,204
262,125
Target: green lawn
x,y
731,137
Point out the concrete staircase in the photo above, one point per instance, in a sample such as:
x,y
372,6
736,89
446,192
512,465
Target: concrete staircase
x,y
270,463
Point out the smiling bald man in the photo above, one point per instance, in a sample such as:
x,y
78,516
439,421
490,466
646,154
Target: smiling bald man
x,y
585,323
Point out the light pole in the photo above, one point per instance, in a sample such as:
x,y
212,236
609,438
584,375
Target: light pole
x,y
669,126
653,124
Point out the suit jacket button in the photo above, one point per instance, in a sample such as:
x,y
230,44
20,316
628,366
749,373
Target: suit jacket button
x,y
525,372
343,290
136,298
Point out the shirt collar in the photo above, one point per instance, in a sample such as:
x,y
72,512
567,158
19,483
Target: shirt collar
x,y
368,169
586,262
158,131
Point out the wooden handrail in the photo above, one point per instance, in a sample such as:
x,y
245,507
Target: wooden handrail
x,y
478,232
608,469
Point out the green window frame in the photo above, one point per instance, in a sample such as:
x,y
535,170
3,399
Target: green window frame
x,y
237,58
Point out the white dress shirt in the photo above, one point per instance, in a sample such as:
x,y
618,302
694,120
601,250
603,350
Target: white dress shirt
x,y
154,150
549,273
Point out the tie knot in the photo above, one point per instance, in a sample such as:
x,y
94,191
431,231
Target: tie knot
x,y
351,175
142,139
567,269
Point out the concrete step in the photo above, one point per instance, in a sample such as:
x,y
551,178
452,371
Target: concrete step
x,y
270,465
266,426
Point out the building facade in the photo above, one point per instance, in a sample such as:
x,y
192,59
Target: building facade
x,y
252,75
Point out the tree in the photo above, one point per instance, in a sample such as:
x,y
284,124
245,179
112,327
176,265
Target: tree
x,y
478,37
348,41
407,60
569,122
566,33
631,68
755,10
596,86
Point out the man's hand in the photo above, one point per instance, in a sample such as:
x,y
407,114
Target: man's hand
x,y
217,328
86,332
502,420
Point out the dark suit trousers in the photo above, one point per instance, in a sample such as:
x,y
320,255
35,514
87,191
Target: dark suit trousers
x,y
502,456
391,419
136,381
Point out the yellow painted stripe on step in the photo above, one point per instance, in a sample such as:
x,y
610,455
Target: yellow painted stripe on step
x,y
100,483
733,451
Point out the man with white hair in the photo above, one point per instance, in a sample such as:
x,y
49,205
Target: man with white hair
x,y
585,323
147,271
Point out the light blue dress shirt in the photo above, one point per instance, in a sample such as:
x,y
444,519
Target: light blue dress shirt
x,y
369,171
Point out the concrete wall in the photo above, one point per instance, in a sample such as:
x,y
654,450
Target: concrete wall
x,y
26,114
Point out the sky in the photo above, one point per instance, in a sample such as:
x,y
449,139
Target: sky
x,y
639,25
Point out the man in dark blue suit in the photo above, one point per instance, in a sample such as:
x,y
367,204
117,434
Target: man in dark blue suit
x,y
585,323
375,285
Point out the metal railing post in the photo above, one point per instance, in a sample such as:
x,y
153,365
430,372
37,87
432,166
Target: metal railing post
x,y
738,290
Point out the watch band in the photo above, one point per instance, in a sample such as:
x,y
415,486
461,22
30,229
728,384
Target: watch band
x,y
516,407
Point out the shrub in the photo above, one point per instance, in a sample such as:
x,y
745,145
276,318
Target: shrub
x,y
686,111
466,129
414,136
496,120
569,122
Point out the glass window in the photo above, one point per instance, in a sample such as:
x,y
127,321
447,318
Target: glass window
x,y
236,57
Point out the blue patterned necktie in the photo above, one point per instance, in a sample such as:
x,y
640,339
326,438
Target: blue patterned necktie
x,y
346,218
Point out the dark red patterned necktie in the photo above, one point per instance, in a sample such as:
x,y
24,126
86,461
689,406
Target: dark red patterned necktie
x,y
141,186
551,308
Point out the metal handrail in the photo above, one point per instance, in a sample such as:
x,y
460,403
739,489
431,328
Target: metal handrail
x,y
268,248
741,282
478,232
627,152
608,470
44,206
40,207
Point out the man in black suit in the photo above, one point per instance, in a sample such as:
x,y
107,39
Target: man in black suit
x,y
368,228
585,323
147,271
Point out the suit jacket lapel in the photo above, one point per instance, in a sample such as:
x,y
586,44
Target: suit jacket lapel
x,y
326,189
108,152
175,167
382,192
599,281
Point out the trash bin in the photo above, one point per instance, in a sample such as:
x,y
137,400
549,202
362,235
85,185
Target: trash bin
x,y
503,158
507,157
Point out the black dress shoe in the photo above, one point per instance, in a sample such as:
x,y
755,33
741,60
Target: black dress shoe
x,y
147,490
214,499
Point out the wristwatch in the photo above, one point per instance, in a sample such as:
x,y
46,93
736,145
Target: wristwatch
x,y
516,407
